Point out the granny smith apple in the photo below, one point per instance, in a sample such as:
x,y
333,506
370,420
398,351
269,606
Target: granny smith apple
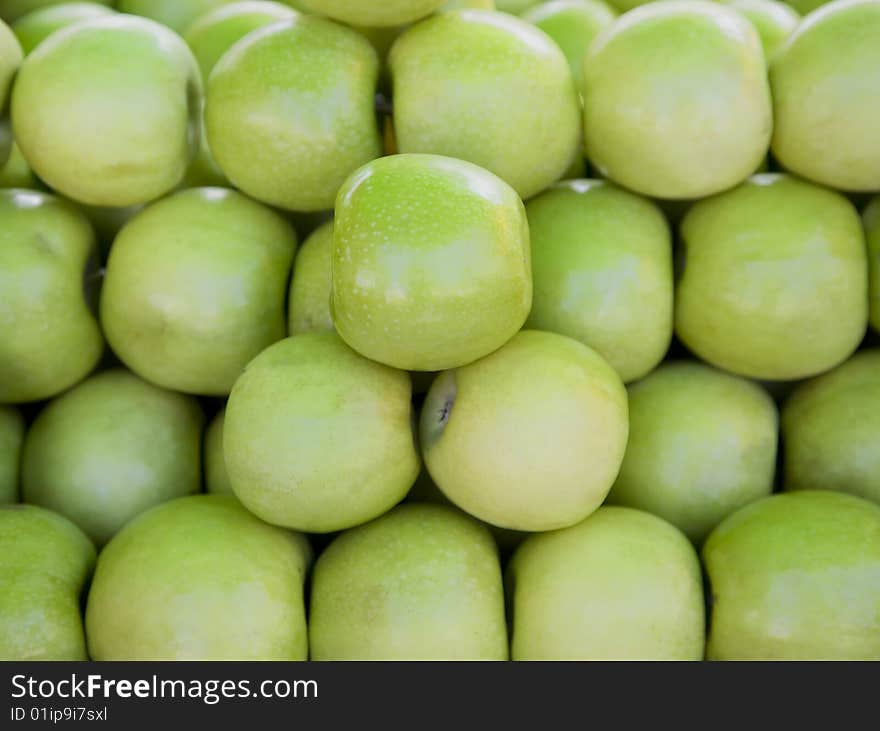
x,y
806,6
374,14
420,583
515,7
111,448
107,111
530,437
216,476
11,439
10,59
45,562
831,430
318,438
33,28
195,288
309,298
825,101
175,14
16,173
620,585
676,100
431,263
794,577
702,443
872,228
489,88
775,21
602,264
199,578
12,10
50,338
573,24
774,279
290,111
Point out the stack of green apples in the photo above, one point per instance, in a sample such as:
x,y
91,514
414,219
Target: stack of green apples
x,y
439,329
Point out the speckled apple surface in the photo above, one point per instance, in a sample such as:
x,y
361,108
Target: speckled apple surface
x,y
489,88
318,438
374,14
216,476
11,439
831,429
794,577
111,448
420,583
872,228
702,443
199,578
51,338
602,270
33,28
195,288
774,279
825,100
45,562
676,100
12,10
308,302
621,585
530,437
431,262
290,111
774,21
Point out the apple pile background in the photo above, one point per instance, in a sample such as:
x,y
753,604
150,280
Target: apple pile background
x,y
341,329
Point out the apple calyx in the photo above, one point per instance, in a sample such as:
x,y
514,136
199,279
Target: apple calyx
x,y
437,410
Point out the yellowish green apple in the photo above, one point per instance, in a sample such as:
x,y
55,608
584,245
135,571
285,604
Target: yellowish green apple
x,y
489,88
317,437
515,7
825,101
702,443
33,28
420,583
111,448
11,439
195,288
602,267
831,430
12,10
10,59
530,437
676,100
107,111
309,299
374,14
794,577
806,6
16,173
872,228
45,562
775,21
431,263
199,578
50,338
216,476
290,111
774,279
175,14
620,585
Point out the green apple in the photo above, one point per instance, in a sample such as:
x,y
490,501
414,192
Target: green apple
x,y
420,583
45,562
473,4
175,14
11,439
50,339
318,438
195,288
431,263
12,10
620,585
33,28
309,299
702,443
199,578
374,14
216,476
676,100
573,24
107,111
489,88
794,577
290,111
872,228
602,263
831,429
515,7
774,279
10,59
775,21
806,6
111,448
16,173
825,101
530,437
